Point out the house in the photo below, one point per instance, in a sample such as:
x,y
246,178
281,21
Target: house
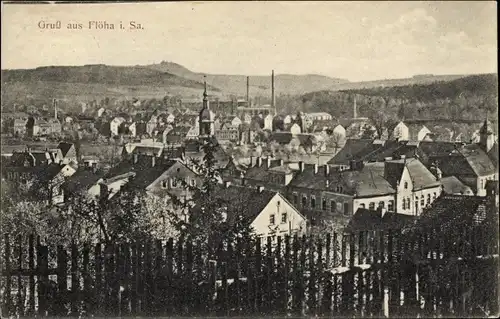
x,y
227,132
68,153
151,124
319,116
247,133
268,213
19,126
268,122
293,128
114,125
84,182
339,130
38,126
336,192
101,112
166,118
90,161
410,132
453,186
176,136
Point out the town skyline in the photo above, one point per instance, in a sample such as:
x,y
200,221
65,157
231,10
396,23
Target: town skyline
x,y
364,41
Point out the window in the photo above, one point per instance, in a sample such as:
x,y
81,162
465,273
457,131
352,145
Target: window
x,y
390,206
174,182
313,202
371,205
339,189
193,182
406,185
416,206
295,199
381,204
333,206
304,201
428,199
362,205
271,219
434,196
323,204
346,209
422,201
164,184
404,203
283,218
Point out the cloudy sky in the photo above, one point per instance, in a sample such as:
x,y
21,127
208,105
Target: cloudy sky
x,y
354,40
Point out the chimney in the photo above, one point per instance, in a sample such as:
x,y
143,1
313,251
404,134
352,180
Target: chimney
x,y
251,161
248,91
259,161
315,169
55,108
301,166
355,111
153,161
268,161
260,188
327,170
403,157
227,184
387,159
327,182
273,101
281,162
136,158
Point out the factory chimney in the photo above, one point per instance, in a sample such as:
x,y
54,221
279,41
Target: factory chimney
x,y
355,111
273,100
55,108
248,91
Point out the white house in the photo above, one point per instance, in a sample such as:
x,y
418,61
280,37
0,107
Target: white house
x,y
339,130
268,122
115,124
410,132
295,129
288,119
319,116
100,111
269,213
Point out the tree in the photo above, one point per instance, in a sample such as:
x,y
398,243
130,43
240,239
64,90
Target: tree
x,y
207,214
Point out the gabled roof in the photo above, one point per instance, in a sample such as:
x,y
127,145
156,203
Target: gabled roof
x,y
354,149
365,182
148,175
365,220
64,147
248,203
281,137
452,185
420,175
493,154
260,173
82,180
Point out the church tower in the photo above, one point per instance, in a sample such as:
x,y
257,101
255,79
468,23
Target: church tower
x,y
206,117
486,136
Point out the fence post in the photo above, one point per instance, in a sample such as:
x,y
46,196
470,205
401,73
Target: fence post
x,y
62,281
31,265
87,293
269,283
8,285
296,278
320,276
258,277
212,270
43,279
311,289
134,263
169,255
75,281
286,275
98,279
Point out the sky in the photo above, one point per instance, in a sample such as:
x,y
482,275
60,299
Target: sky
x,y
358,41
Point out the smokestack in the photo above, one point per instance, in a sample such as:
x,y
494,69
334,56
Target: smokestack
x,y
273,101
248,91
55,108
355,111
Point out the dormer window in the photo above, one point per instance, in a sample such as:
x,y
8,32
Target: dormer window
x,y
164,184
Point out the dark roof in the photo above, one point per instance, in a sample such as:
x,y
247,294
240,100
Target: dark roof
x,y
469,160
366,220
82,180
281,137
452,185
148,175
493,154
365,182
47,173
260,173
64,147
147,150
247,202
354,149
419,174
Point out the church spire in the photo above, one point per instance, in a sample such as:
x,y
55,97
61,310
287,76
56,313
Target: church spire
x,y
205,95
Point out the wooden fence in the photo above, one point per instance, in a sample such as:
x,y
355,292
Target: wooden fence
x,y
364,274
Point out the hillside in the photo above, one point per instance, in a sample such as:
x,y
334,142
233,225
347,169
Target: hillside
x,y
94,81
470,98
259,85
